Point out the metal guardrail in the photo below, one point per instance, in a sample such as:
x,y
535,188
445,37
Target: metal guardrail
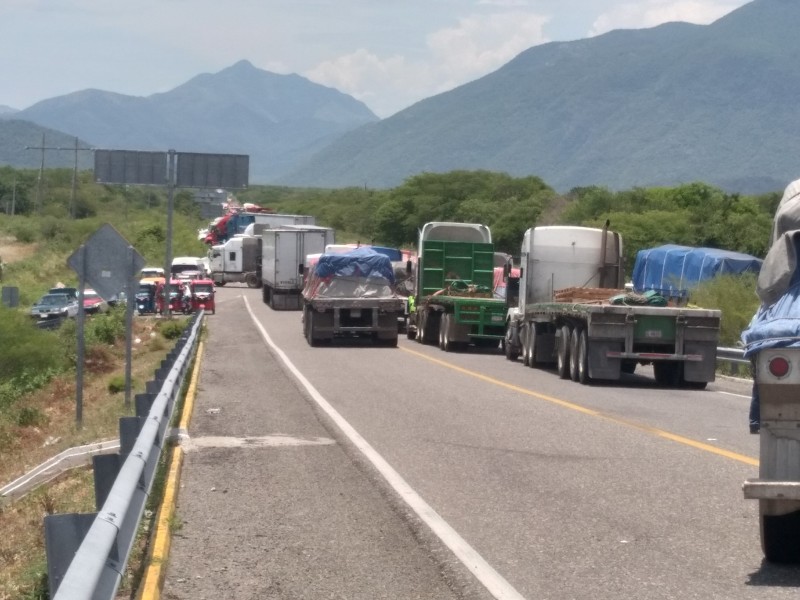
x,y
735,358
87,553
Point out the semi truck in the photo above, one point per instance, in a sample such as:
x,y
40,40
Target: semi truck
x,y
283,262
573,311
452,303
772,342
236,261
351,295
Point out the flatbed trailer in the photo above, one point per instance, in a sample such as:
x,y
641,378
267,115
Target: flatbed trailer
x,y
602,341
327,318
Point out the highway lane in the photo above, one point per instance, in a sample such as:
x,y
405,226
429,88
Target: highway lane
x,y
567,491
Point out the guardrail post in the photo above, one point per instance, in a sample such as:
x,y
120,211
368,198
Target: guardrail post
x,y
106,468
63,535
143,403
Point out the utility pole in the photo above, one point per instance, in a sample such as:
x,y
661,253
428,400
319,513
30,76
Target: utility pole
x,y
75,149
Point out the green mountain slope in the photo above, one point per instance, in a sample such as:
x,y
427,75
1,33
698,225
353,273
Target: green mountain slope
x,y
662,106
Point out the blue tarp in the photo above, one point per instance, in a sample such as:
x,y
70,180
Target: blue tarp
x,y
672,270
777,325
360,262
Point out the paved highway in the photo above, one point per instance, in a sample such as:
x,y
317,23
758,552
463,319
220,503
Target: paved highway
x,y
351,471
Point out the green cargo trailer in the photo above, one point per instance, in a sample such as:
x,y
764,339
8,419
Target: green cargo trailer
x,y
454,306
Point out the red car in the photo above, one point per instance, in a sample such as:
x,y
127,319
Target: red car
x,y
93,303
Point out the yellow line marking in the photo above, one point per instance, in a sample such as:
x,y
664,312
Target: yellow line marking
x,y
154,573
748,460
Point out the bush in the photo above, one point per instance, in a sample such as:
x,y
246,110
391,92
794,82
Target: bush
x,y
32,350
172,330
105,328
735,296
116,384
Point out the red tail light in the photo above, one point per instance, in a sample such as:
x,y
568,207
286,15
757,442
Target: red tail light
x,y
778,366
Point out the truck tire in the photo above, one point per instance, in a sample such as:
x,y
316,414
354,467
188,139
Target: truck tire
x,y
530,347
511,352
667,373
562,358
422,326
779,536
574,340
252,280
583,358
309,327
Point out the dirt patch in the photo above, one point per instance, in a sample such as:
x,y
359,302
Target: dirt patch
x,y
11,250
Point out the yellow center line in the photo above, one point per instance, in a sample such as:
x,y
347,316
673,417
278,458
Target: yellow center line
x,y
748,460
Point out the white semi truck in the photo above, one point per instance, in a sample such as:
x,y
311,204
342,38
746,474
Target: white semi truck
x,y
283,262
573,312
236,261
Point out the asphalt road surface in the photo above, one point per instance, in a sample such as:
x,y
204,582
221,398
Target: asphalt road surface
x,y
357,472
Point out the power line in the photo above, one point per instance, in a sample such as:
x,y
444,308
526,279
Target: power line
x,y
75,149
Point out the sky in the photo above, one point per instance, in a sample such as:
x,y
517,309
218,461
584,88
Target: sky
x,y
388,54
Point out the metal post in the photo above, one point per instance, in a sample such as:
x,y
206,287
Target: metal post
x,y
74,182
81,341
170,205
39,182
130,302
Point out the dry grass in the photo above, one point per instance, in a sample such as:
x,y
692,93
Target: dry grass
x,y
22,552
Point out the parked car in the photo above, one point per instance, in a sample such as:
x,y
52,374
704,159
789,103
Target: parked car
x,y
54,306
93,303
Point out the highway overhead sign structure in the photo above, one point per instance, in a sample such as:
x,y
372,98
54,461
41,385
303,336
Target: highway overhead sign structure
x,y
130,167
192,169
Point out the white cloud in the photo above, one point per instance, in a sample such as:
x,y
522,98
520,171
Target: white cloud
x,y
475,46
649,13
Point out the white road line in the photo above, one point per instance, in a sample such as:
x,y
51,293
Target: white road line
x,y
483,571
732,394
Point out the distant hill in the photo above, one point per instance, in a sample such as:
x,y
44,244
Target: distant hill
x,y
279,120
662,106
7,110
20,142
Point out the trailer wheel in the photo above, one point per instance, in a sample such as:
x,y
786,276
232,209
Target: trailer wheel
x,y
511,352
574,357
444,333
562,364
309,325
531,346
779,535
666,373
252,280
422,319
583,358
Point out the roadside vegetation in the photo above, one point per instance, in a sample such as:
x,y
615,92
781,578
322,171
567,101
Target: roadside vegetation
x,y
37,367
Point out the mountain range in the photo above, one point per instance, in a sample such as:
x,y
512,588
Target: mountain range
x,y
661,106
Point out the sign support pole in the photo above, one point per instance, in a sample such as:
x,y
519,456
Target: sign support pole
x,y
168,252
80,340
129,306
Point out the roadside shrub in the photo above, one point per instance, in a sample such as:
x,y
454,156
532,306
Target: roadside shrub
x,y
116,384
32,350
172,330
735,296
105,328
30,416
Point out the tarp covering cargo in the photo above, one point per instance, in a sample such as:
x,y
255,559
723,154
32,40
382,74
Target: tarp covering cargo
x,y
776,323
360,273
673,270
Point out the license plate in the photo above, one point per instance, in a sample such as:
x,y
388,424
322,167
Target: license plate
x,y
497,318
652,333
355,313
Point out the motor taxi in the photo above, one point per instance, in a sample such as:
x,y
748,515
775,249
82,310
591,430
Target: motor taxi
x,y
174,297
202,295
146,297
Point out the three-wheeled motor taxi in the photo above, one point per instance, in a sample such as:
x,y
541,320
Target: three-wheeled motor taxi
x,y
174,296
202,295
146,297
